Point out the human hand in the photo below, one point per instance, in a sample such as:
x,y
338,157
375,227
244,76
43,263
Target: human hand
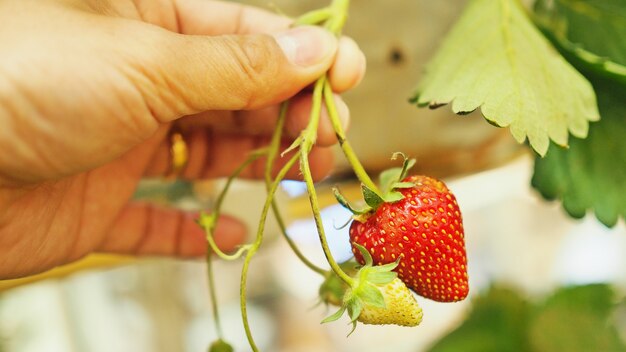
x,y
89,91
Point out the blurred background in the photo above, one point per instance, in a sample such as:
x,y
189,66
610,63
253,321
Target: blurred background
x,y
539,280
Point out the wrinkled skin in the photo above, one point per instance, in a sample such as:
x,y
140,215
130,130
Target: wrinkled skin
x,y
88,93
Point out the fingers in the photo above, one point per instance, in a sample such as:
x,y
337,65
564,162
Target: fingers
x,y
143,229
220,17
190,74
202,17
262,122
349,66
218,155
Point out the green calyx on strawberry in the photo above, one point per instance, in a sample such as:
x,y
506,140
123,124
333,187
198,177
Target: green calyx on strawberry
x,y
333,288
417,223
377,296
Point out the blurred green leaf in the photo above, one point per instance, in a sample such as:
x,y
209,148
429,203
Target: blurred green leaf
x,y
496,59
498,322
576,319
572,319
591,174
589,33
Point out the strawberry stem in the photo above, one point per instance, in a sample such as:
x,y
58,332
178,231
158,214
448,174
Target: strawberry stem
x,y
306,172
208,222
257,243
349,153
213,296
339,9
271,157
314,17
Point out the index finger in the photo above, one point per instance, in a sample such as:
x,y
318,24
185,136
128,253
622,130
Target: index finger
x,y
211,17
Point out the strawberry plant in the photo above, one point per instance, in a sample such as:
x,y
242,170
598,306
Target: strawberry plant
x,y
408,234
375,292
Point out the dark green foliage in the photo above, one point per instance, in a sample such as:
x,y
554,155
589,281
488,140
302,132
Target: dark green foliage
x,y
591,174
573,319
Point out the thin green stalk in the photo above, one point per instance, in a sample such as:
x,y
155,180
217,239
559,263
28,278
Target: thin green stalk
x,y
339,9
210,221
314,17
308,179
349,153
213,295
308,140
255,246
273,152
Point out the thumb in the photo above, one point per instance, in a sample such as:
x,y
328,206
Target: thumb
x,y
199,73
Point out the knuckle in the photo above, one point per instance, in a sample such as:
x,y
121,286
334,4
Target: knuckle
x,y
257,59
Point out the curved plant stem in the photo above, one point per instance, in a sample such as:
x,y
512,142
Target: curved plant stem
x,y
208,222
314,17
360,172
308,139
255,246
306,171
274,149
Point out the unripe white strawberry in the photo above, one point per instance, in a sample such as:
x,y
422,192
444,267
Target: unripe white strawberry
x,y
401,307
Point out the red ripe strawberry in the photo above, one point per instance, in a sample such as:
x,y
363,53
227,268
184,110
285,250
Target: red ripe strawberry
x,y
425,231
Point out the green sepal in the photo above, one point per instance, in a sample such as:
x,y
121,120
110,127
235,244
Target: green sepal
x,y
372,198
381,277
392,197
353,328
391,179
388,177
355,307
398,185
367,257
407,164
370,295
333,288
346,204
335,316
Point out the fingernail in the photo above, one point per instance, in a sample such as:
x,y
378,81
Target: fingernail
x,y
306,45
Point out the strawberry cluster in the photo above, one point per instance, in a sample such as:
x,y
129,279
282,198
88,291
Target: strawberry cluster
x,y
424,233
409,236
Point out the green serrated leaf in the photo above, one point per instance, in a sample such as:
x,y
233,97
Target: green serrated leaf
x,y
371,198
496,59
591,174
335,316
